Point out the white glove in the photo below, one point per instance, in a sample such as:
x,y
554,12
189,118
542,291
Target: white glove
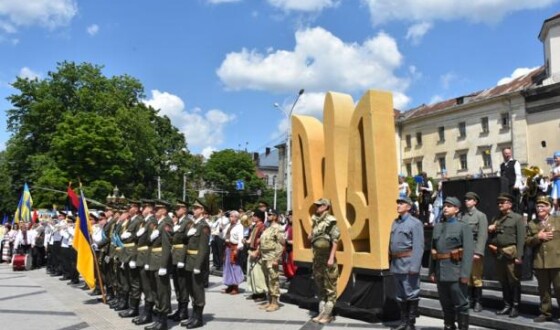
x,y
154,235
94,246
132,264
176,227
122,265
126,235
196,271
191,231
140,231
162,272
180,265
146,267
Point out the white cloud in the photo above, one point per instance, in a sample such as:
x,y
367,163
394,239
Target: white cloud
x,y
488,11
303,5
319,62
46,13
203,130
515,74
92,29
447,79
207,152
27,73
417,31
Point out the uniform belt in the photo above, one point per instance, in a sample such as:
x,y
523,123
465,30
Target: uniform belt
x,y
158,249
127,245
178,246
401,254
455,254
192,252
143,248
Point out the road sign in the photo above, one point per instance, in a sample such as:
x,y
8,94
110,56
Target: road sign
x,y
239,185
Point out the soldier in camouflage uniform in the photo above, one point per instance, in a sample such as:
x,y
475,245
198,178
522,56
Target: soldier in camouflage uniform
x,y
270,250
198,252
148,224
324,239
450,267
132,273
179,257
159,262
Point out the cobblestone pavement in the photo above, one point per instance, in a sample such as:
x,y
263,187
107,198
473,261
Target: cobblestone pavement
x,y
34,300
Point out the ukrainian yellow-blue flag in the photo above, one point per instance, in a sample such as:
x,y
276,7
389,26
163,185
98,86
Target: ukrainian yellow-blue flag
x,y
82,244
23,212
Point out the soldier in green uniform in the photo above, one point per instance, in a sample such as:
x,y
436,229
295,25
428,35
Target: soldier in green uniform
x,y
198,237
106,261
507,238
122,279
132,272
148,224
544,238
179,257
158,265
324,239
450,267
479,226
270,251
112,256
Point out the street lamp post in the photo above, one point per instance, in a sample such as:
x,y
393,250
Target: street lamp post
x,y
289,152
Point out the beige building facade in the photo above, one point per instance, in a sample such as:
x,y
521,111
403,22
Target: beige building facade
x,y
465,136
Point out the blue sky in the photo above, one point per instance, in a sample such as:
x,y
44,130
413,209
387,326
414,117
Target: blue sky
x,y
217,67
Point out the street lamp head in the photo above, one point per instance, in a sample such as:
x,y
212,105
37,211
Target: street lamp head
x,y
301,91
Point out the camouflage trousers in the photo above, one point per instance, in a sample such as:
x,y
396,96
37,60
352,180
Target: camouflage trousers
x,y
272,277
325,277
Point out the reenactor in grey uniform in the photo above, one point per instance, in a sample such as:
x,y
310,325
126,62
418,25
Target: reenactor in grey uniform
x,y
198,252
270,250
479,226
143,252
406,247
159,263
507,239
544,238
324,239
179,258
132,272
450,267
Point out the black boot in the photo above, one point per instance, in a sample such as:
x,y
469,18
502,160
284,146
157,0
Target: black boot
x,y
516,299
162,325
449,321
146,316
506,292
197,318
116,301
463,321
123,304
412,312
132,311
153,326
477,299
184,311
403,306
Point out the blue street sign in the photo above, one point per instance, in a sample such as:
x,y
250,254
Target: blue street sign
x,y
239,185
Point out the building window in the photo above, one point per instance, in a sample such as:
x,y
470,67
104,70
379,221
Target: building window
x,y
408,141
487,158
408,169
484,124
504,119
441,134
419,138
442,166
462,130
419,166
463,162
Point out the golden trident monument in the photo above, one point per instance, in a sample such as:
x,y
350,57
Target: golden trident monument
x,y
351,159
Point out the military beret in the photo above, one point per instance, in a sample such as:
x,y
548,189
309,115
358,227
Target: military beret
x,y
505,197
472,195
544,200
323,201
405,199
453,201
